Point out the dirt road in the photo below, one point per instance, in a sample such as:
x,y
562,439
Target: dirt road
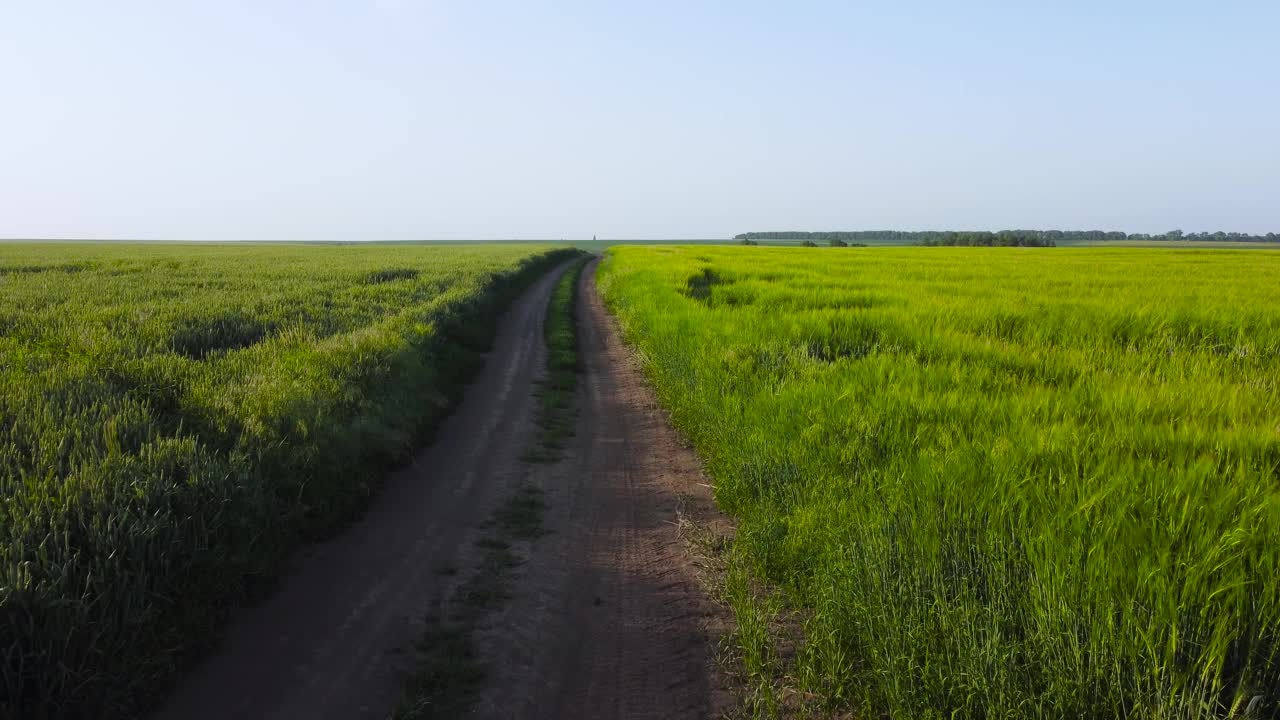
x,y
605,620
608,621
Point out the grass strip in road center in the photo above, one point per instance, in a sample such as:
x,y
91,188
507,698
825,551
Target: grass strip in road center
x,y
556,393
451,673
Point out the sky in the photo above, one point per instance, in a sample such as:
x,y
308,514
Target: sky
x,y
476,119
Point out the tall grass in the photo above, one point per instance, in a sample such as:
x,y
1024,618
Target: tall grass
x,y
174,419
996,483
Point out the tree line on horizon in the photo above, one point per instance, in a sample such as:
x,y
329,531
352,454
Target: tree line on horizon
x,y
1003,238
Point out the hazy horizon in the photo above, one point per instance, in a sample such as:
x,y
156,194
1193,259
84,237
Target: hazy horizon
x,y
404,120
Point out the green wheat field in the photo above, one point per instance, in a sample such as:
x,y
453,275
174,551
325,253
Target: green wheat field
x,y
967,482
983,483
175,419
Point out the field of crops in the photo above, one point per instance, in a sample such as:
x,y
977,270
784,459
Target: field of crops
x,y
984,483
174,419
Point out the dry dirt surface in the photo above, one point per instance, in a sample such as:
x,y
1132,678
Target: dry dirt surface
x,y
606,619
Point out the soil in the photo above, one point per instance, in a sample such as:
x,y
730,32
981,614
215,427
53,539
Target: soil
x,y
606,619
609,620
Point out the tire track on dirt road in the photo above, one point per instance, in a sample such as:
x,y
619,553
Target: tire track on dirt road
x,y
608,620
336,638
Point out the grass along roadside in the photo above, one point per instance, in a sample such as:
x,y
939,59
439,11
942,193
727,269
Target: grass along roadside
x,y
757,633
451,673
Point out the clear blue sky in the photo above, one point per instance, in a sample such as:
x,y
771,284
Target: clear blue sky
x,y
475,119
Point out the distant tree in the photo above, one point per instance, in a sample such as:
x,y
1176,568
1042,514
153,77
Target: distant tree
x,y
748,241
1004,238
808,243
